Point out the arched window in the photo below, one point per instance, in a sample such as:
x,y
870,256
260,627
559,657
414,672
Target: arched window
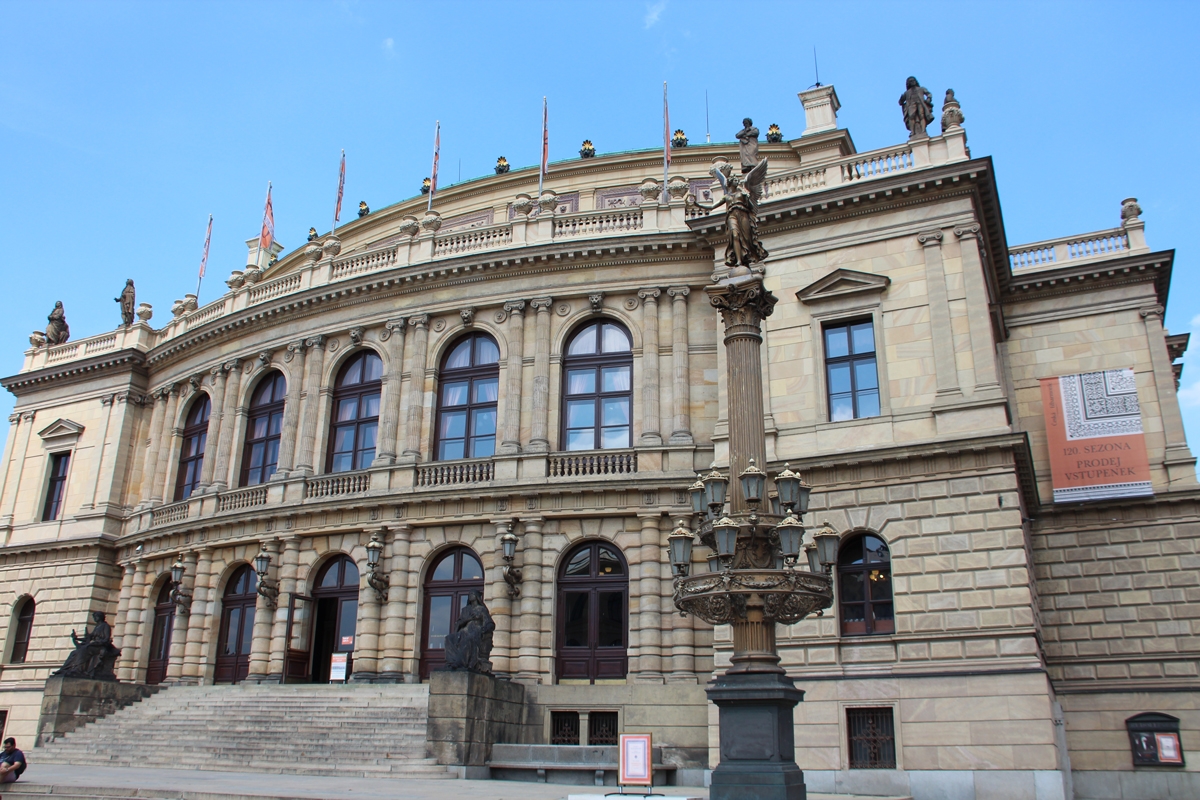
x,y
160,636
237,626
469,385
191,457
263,430
448,584
336,597
23,631
355,413
593,597
597,388
865,586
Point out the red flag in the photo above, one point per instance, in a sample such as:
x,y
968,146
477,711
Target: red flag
x,y
207,240
267,237
666,130
545,168
437,148
337,213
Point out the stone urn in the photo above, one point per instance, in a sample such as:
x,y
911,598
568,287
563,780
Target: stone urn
x,y
650,190
677,188
522,204
252,275
236,279
409,226
312,252
332,246
547,202
144,312
431,222
189,303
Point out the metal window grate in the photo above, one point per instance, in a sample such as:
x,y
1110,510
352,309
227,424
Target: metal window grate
x,y
602,728
872,738
564,727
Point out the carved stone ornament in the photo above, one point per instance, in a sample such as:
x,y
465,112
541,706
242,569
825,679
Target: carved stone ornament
x,y
742,302
562,309
597,301
332,246
631,303
930,237
547,202
419,321
409,225
390,327
189,303
515,307
501,315
178,309
292,349
37,339
650,190
468,315
145,311
1130,210
522,204
952,116
252,275
677,188
312,252
236,279
431,221
332,345
264,359
541,304
439,325
356,336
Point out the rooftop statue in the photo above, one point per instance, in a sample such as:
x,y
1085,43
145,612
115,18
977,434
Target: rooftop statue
x,y
312,234
363,208
128,303
469,646
917,104
748,137
741,201
58,332
94,655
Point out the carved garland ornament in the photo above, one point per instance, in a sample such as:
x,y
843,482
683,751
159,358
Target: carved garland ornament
x,y
720,598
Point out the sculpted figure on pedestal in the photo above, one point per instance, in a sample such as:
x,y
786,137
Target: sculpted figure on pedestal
x,y
741,200
917,104
469,646
748,148
94,655
128,303
57,332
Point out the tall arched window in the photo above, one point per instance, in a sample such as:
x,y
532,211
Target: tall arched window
x,y
355,413
593,598
191,457
160,636
597,388
237,626
469,385
448,584
260,455
23,631
865,586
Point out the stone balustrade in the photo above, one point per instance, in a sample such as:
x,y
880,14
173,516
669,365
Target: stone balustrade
x,y
1069,250
336,485
454,473
601,462
175,512
242,498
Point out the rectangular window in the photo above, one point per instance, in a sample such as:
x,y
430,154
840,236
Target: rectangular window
x,y
602,728
58,482
852,381
872,738
564,727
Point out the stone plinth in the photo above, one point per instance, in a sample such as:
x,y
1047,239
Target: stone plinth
x,y
468,713
70,703
757,738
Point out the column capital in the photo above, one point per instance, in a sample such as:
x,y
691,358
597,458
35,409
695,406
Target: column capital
x,y
13,418
515,307
392,326
28,416
232,365
315,341
967,231
294,348
1152,312
541,304
678,292
648,295
419,321
931,238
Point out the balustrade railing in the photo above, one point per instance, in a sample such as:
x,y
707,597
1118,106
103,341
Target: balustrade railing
x,y
1067,249
336,485
472,239
242,498
592,223
605,462
807,180
276,288
876,164
365,262
175,512
454,473
210,312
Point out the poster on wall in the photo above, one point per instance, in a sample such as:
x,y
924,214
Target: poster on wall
x,y
634,756
1094,431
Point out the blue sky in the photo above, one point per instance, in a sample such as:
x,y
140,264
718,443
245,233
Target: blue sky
x,y
125,125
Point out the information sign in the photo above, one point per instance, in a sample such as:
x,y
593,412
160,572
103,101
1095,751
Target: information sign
x,y
337,666
634,767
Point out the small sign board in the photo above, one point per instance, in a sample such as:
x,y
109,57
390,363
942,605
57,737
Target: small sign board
x,y
1154,739
337,666
634,767
347,641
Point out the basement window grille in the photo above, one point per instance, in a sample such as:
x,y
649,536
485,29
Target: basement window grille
x,y
872,738
564,727
602,728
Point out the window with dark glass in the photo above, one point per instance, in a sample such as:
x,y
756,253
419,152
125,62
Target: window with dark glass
x,y
355,413
260,455
191,456
23,631
852,380
598,388
238,605
57,485
469,384
593,594
865,586
448,585
872,738
160,635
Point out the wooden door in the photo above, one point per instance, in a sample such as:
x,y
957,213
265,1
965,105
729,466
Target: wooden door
x,y
454,575
160,636
237,626
593,614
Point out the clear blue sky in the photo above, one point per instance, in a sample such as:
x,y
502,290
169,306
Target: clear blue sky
x,y
124,125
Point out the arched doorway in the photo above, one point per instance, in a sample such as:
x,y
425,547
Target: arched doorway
x,y
593,599
452,578
237,626
335,595
160,636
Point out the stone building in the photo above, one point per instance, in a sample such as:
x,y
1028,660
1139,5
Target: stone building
x,y
425,382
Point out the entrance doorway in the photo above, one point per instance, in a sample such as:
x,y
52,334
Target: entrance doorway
x,y
237,626
593,597
453,577
335,598
160,637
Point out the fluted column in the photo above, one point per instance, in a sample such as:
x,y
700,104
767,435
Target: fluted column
x,y
680,631
291,409
216,407
391,665
412,646
416,388
123,609
979,315
133,625
944,365
229,415
389,417
183,621
511,441
200,618
529,638
170,444
151,488
366,631
288,568
539,438
651,402
501,606
314,364
650,601
260,644
681,397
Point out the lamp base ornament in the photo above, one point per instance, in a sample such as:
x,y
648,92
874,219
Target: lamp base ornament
x,y
757,741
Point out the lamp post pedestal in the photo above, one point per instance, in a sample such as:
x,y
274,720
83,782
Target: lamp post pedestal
x,y
758,746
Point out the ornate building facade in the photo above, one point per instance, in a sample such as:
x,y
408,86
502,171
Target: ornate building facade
x,y
378,410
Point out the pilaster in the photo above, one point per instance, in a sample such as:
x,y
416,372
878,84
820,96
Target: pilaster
x,y
539,441
314,365
511,441
416,388
392,337
681,398
651,400
291,409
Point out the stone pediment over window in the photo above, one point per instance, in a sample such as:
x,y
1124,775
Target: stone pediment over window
x,y
842,283
60,433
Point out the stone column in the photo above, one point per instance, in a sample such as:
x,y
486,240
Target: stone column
x,y
682,395
649,602
391,666
944,363
128,671
314,364
511,440
539,439
260,644
200,618
216,405
183,621
151,489
229,414
651,406
500,605
412,645
528,654
291,409
170,444
288,569
681,632
979,312
366,631
1178,457
123,609
389,418
416,388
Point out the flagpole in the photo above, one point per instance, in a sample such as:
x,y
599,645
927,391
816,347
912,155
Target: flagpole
x,y
545,146
338,207
437,130
666,142
258,249
204,260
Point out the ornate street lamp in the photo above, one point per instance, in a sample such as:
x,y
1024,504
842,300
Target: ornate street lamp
x,y
508,551
716,486
791,535
696,492
793,491
725,530
375,579
179,596
268,588
754,483
827,541
679,547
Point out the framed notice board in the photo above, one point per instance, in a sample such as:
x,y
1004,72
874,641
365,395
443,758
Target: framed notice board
x,y
634,763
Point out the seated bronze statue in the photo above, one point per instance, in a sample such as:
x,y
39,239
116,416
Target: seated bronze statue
x,y
94,655
469,647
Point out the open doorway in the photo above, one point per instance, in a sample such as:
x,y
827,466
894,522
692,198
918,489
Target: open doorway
x,y
335,603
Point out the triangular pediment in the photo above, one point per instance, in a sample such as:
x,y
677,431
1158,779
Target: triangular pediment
x,y
840,283
60,428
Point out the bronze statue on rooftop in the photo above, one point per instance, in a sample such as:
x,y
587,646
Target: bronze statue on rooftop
x,y
58,332
748,147
917,106
128,303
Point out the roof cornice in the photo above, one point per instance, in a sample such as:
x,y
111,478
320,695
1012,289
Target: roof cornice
x,y
128,360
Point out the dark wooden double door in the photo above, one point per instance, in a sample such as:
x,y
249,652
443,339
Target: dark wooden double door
x,y
593,604
237,626
160,636
323,624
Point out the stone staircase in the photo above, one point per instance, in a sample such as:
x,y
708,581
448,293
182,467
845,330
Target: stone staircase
x,y
349,731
